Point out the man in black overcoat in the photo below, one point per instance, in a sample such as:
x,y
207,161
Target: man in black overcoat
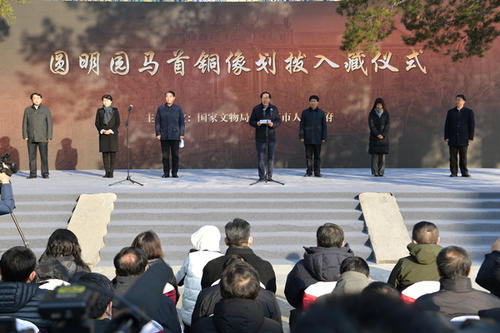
x,y
312,133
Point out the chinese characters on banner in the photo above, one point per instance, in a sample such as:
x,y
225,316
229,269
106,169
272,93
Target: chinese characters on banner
x,y
236,62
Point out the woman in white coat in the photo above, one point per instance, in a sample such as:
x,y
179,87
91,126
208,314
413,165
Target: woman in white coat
x,y
205,248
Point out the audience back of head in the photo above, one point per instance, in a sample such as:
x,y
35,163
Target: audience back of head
x,y
453,262
130,261
150,243
237,232
355,264
425,233
330,235
101,301
240,280
18,264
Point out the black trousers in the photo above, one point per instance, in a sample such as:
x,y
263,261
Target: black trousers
x,y
108,159
313,158
378,164
170,147
455,152
43,148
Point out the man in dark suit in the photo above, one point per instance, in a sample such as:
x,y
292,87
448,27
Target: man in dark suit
x,y
458,133
169,125
312,133
265,118
37,131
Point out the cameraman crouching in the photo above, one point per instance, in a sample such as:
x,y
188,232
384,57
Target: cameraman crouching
x,y
7,203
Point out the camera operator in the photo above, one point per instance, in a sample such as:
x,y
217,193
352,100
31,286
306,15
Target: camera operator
x,y
7,203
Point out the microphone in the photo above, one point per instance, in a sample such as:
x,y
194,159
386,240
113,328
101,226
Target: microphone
x,y
130,107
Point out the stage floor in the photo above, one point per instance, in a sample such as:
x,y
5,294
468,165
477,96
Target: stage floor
x,y
206,180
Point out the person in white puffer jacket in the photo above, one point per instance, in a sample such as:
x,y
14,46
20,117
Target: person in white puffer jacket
x,y
205,242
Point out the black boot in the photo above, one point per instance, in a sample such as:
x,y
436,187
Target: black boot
x,y
309,164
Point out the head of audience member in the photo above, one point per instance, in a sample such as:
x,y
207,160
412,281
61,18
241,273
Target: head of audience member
x,y
355,264
453,262
239,280
381,289
18,265
368,314
64,243
207,238
130,261
100,306
425,233
150,243
330,235
238,233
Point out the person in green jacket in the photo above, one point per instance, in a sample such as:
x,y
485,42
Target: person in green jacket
x,y
420,265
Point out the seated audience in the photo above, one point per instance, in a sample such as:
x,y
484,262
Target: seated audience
x,y
382,289
19,295
209,297
238,311
239,240
62,257
420,265
149,242
354,276
101,306
488,276
205,243
456,297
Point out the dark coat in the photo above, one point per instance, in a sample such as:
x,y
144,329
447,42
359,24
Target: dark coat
x,y
488,276
313,127
213,269
258,114
459,127
7,203
107,143
169,122
37,124
237,315
378,126
52,268
20,300
420,265
168,274
457,298
319,264
209,297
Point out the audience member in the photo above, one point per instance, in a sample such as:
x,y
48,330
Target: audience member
x,y
488,276
354,276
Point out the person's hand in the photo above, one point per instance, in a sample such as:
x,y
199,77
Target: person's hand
x,y
158,137
470,141
323,141
270,124
496,245
25,139
301,140
380,136
4,178
446,140
182,137
258,123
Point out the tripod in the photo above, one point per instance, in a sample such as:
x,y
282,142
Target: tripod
x,y
266,178
128,155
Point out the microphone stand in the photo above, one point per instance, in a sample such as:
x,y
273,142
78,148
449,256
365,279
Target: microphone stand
x,y
267,179
128,156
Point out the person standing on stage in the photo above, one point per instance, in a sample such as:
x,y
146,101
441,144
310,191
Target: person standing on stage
x,y
458,133
378,121
312,133
265,118
107,121
169,125
37,131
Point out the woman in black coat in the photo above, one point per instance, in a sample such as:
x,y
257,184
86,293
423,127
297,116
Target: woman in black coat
x,y
378,121
107,121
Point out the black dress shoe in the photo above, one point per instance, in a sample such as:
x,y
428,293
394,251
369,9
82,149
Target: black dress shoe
x,y
175,176
318,175
465,175
308,174
31,177
453,175
45,176
262,179
165,175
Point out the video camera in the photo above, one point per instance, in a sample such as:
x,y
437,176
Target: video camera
x,y
7,166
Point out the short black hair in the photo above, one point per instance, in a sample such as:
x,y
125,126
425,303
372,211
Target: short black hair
x,y
35,93
240,280
425,232
17,264
170,92
107,96
237,232
453,262
130,261
330,235
265,92
462,96
313,97
101,301
355,264
382,289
